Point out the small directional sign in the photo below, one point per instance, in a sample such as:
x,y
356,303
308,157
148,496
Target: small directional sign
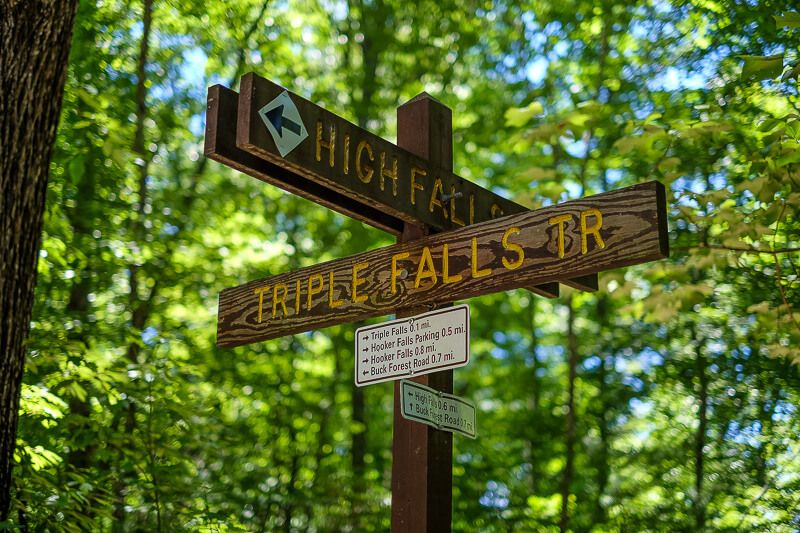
x,y
284,123
412,346
438,409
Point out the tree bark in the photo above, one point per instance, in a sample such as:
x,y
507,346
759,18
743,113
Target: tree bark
x,y
700,438
35,38
570,436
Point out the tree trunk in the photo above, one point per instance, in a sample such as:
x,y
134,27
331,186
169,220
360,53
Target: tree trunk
x,y
35,38
534,442
700,438
607,364
569,464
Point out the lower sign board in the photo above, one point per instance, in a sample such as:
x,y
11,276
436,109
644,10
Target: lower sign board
x,y
577,238
438,409
412,346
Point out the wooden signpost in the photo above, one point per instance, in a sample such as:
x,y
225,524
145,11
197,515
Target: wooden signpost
x,y
489,244
586,236
344,167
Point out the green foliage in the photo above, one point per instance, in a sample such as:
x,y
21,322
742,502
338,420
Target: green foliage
x,y
686,387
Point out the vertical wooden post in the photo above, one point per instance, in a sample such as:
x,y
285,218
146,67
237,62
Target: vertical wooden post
x,y
422,457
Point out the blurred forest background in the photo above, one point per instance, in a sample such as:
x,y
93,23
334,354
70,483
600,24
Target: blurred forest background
x,y
667,401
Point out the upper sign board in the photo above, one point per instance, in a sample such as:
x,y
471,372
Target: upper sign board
x,y
413,346
355,162
586,236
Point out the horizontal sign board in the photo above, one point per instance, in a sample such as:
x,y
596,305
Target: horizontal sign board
x,y
586,236
443,411
280,133
359,164
220,145
413,346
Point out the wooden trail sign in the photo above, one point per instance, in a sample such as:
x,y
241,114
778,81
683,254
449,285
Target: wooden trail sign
x,y
220,145
362,165
361,174
577,238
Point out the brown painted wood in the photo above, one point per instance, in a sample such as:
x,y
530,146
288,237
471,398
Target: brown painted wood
x,y
633,231
441,199
220,145
422,456
393,196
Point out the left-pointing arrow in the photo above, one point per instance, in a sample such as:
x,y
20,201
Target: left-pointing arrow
x,y
275,116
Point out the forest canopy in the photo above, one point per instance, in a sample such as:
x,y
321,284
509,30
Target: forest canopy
x,y
665,401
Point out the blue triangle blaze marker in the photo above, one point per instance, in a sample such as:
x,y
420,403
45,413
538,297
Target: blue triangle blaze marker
x,y
275,116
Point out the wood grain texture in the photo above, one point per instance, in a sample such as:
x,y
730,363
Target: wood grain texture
x,y
422,457
633,231
220,145
389,195
340,155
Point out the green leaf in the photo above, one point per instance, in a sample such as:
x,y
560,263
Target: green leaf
x,y
520,116
788,20
762,67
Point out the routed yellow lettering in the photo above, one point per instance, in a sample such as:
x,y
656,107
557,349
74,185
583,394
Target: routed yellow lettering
x,y
395,272
330,145
415,171
346,167
297,297
331,302
594,230
314,290
364,171
281,300
453,216
446,277
426,268
384,173
516,248
259,291
358,267
476,272
497,211
435,194
471,208
560,220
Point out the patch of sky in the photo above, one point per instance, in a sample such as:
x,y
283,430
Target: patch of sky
x,y
496,495
640,409
613,175
784,411
633,382
536,71
550,352
149,335
499,353
592,363
748,435
574,147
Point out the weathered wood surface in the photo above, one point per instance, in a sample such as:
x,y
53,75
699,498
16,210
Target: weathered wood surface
x,y
422,457
352,162
220,145
567,240
362,165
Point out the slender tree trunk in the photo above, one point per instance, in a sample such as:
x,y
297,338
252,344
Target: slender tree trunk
x,y
570,435
534,441
606,366
362,106
700,438
139,307
35,38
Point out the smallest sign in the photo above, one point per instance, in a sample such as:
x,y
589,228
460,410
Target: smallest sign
x,y
443,411
413,346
